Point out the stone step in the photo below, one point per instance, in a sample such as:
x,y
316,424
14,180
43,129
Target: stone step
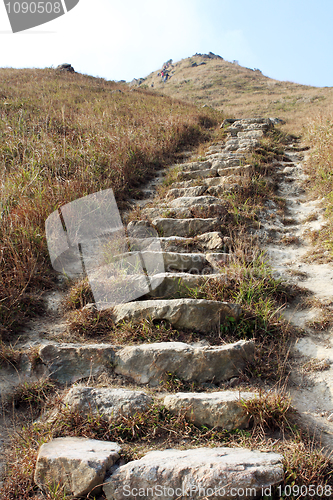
x,y
150,363
231,162
180,261
248,144
220,190
245,169
213,409
222,409
238,128
194,166
181,285
213,240
214,149
197,174
208,181
109,403
68,362
186,227
75,464
190,191
250,134
162,211
188,208
222,180
197,473
190,201
226,155
195,314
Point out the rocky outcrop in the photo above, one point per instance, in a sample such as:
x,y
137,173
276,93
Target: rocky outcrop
x,y
196,473
65,67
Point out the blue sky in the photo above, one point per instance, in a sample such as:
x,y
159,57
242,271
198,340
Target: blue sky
x,y
125,39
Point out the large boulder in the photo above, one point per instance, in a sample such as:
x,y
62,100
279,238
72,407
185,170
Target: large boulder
x,y
65,67
212,409
109,403
199,473
150,363
78,465
196,314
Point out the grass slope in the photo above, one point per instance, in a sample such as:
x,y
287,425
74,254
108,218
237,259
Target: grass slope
x,y
63,136
239,91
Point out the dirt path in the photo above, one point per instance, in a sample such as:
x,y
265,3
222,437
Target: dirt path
x,y
312,377
201,183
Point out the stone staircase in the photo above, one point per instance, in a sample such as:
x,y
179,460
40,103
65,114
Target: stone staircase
x,y
191,224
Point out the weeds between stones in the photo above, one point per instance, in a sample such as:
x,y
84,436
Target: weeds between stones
x,y
159,428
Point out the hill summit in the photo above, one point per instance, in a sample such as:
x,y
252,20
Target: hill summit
x,y
208,79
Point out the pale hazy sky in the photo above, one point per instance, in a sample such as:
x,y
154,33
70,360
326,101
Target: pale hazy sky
x,y
125,39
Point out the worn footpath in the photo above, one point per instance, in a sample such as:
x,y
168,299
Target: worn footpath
x,y
191,228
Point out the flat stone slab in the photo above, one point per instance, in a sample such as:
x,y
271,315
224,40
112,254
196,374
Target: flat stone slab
x,y
194,166
230,162
181,212
212,409
245,169
180,285
185,227
76,464
199,473
197,174
251,134
197,314
190,191
190,201
216,181
108,403
71,362
149,363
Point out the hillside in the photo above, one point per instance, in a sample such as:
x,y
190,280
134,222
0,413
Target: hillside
x,y
238,91
208,321
65,135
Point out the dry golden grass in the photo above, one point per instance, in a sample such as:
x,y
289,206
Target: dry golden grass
x,y
319,133
63,136
242,92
